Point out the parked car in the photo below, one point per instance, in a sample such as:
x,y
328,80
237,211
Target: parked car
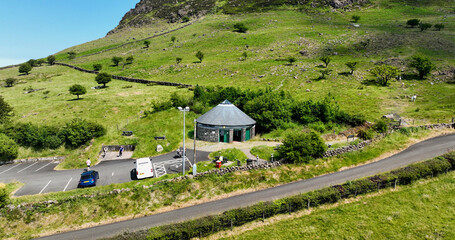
x,y
144,168
88,179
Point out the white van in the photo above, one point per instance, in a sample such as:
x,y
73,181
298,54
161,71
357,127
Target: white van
x,y
144,168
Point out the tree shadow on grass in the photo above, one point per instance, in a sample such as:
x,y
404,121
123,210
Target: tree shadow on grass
x,y
369,82
345,74
74,99
410,77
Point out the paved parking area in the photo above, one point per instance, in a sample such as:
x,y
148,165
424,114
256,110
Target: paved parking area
x,y
40,177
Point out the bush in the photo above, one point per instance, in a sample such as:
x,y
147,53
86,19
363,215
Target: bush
x,y
10,82
439,26
240,27
161,106
4,198
8,148
413,22
326,60
77,89
185,19
422,64
384,73
200,56
79,132
116,60
97,66
381,126
51,59
25,68
424,26
302,147
38,137
355,18
103,78
366,134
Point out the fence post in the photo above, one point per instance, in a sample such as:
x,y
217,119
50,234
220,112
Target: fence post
x,y
395,184
289,208
308,203
231,225
378,186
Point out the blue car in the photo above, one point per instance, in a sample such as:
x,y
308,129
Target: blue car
x,y
88,179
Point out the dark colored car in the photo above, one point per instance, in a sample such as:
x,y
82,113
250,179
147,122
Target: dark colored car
x,y
88,179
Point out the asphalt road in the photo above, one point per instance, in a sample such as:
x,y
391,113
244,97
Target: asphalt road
x,y
418,152
40,177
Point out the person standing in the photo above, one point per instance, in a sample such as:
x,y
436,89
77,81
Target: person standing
x,y
104,152
88,162
120,151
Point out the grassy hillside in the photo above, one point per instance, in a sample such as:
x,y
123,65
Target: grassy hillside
x,y
272,36
423,210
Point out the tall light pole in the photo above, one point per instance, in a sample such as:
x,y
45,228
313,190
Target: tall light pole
x,y
186,109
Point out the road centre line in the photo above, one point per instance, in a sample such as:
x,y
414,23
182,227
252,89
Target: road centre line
x,y
10,168
67,184
44,187
43,167
26,167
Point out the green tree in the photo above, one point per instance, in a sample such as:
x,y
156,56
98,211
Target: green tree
x,y
422,64
77,89
40,61
439,26
71,55
424,26
384,73
6,111
103,78
147,43
4,197
79,132
129,60
97,67
33,62
178,60
10,82
51,59
116,60
413,22
185,19
244,55
200,56
8,148
352,66
301,147
355,18
173,38
271,110
291,60
25,68
381,126
326,60
240,27
325,73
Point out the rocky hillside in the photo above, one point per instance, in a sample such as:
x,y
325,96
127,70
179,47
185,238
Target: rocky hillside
x,y
147,11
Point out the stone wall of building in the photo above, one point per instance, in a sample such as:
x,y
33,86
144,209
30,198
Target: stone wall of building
x,y
207,134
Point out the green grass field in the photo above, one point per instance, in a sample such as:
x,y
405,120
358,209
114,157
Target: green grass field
x,y
272,37
423,210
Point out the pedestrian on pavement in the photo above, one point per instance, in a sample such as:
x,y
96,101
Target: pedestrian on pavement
x,y
120,151
88,162
104,152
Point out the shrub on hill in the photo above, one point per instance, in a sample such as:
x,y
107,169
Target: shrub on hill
x,y
103,78
302,147
413,22
6,111
97,66
71,55
25,68
10,82
79,132
439,26
240,27
77,89
422,64
116,60
384,73
8,148
326,60
200,56
424,26
51,59
38,137
4,197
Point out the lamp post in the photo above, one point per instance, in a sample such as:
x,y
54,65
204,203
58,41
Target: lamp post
x,y
186,109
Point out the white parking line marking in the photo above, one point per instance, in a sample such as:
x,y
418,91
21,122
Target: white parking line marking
x,y
112,173
10,168
44,187
42,167
67,184
26,167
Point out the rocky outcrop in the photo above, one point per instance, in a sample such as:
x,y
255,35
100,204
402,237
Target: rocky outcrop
x,y
146,11
344,3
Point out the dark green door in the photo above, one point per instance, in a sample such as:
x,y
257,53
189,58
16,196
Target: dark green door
x,y
226,136
247,135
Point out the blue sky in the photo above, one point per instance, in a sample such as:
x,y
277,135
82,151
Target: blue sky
x,y
32,29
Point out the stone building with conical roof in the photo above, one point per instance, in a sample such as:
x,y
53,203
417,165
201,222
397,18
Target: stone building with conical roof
x,y
225,123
